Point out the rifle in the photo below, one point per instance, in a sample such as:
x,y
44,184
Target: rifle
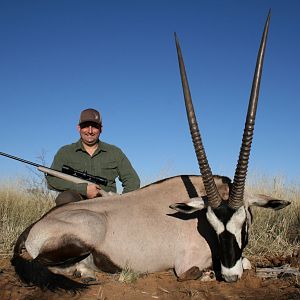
x,y
68,173
84,175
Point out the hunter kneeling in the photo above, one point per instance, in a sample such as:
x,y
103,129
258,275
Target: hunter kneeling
x,y
94,157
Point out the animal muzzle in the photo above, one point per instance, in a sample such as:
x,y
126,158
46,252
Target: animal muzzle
x,y
230,278
234,273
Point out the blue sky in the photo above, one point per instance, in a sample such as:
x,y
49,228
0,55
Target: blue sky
x,y
60,57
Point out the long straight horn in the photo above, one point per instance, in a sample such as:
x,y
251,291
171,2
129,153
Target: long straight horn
x,y
212,193
237,192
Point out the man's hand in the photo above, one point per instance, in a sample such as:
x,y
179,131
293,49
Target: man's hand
x,y
93,191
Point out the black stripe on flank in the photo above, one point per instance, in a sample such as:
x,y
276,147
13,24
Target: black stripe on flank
x,y
69,251
190,188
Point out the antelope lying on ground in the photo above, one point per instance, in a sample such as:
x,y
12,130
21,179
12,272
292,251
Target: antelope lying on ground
x,y
141,230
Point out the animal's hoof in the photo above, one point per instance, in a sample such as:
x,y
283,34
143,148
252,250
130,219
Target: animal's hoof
x,y
88,279
77,274
208,276
192,274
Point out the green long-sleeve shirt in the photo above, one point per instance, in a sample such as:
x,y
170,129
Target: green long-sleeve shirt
x,y
108,161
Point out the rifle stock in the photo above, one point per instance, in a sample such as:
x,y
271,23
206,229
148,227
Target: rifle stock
x,y
62,175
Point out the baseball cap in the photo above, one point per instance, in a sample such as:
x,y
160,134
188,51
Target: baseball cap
x,y
90,115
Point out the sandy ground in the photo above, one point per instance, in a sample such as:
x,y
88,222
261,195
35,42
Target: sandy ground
x,y
163,285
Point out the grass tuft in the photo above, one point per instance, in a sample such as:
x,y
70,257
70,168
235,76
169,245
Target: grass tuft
x,y
128,275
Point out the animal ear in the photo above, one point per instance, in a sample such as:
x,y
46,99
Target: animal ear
x,y
189,207
266,201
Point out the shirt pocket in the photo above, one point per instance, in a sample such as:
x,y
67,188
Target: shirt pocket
x,y
110,170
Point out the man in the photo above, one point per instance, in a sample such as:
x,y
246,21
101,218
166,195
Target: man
x,y
95,157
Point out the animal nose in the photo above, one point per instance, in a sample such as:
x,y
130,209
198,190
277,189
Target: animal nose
x,y
230,278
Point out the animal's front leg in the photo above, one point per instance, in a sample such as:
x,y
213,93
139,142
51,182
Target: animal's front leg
x,y
190,265
191,274
195,273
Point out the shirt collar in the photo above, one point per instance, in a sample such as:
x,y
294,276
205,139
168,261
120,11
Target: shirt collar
x,y
101,147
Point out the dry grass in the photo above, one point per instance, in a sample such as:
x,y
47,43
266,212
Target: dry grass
x,y
20,206
272,233
128,275
275,232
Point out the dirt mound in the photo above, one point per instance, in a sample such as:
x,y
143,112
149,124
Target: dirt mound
x,y
163,285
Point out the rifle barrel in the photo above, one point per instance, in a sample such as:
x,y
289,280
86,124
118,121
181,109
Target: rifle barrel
x,y
20,159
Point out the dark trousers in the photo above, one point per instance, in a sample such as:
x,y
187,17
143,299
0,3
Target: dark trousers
x,y
68,196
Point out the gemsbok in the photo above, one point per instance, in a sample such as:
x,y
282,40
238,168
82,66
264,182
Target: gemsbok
x,y
140,230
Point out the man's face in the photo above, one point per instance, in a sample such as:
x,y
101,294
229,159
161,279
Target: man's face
x,y
89,132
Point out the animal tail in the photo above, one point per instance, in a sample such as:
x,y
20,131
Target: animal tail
x,y
33,272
